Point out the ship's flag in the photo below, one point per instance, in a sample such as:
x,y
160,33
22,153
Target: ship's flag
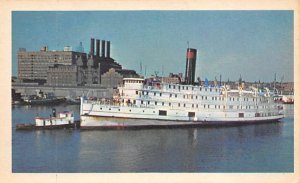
x,y
206,82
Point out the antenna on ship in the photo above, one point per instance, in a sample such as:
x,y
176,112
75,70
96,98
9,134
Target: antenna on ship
x,y
274,84
141,68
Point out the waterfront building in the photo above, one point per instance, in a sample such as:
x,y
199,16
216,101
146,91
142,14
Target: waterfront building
x,y
70,68
33,66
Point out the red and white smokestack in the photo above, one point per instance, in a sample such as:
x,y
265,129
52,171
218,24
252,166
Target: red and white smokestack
x,y
190,67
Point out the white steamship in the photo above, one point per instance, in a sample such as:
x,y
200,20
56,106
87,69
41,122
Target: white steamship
x,y
144,103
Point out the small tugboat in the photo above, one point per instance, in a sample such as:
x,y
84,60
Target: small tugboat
x,y
55,121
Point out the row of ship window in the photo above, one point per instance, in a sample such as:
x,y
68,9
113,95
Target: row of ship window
x,y
164,113
188,87
202,97
204,105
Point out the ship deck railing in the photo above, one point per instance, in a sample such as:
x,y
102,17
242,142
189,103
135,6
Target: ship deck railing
x,y
117,104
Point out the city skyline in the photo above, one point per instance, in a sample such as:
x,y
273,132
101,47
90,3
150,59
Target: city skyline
x,y
253,44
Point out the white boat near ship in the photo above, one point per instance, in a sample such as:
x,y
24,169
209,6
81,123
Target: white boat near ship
x,y
164,104
56,120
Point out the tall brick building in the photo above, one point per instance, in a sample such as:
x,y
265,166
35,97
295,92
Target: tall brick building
x,y
33,66
69,68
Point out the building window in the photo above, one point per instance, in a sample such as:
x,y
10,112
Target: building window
x,y
178,104
142,102
154,93
175,95
170,95
169,104
183,105
155,103
159,94
163,103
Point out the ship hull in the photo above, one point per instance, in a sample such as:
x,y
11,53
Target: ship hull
x,y
106,122
34,127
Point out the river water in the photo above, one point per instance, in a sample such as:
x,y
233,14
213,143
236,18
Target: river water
x,y
251,148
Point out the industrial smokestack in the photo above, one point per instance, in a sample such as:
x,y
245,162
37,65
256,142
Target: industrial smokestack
x,y
102,48
92,50
97,47
190,68
108,49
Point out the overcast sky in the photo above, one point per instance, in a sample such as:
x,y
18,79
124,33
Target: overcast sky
x,y
254,44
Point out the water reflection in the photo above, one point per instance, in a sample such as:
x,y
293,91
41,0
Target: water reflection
x,y
242,148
